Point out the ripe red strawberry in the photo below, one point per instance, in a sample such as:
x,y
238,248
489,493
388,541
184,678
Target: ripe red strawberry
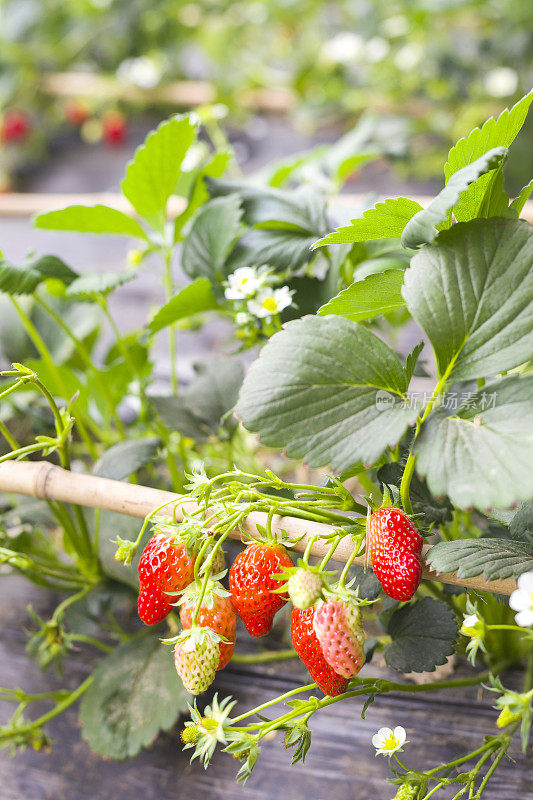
x,y
338,628
252,583
164,567
196,656
15,126
216,613
308,647
395,546
114,128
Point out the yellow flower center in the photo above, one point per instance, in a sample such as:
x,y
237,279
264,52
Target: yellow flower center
x,y
270,304
390,744
210,725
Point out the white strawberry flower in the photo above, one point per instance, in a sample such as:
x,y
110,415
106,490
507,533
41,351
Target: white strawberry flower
x,y
269,302
388,741
243,283
521,600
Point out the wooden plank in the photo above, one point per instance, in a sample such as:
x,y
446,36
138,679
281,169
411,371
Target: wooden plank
x,y
340,764
44,480
184,94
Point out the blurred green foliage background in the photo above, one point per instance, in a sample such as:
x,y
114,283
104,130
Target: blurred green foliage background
x,y
446,64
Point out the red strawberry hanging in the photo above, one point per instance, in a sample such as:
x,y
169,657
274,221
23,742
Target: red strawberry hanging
x,y
306,644
394,548
339,630
252,582
164,567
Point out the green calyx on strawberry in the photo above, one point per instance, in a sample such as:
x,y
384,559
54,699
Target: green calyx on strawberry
x,y
216,612
394,547
196,658
253,581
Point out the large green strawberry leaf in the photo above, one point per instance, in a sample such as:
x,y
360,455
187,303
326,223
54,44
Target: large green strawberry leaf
x,y
15,280
204,407
135,693
493,558
213,233
152,175
98,283
423,636
379,293
126,457
422,228
329,391
386,220
91,219
477,447
472,293
499,132
195,298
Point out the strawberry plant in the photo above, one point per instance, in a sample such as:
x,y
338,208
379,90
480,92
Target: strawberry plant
x,y
427,488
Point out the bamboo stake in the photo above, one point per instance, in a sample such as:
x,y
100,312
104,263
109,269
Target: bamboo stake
x,y
45,481
26,204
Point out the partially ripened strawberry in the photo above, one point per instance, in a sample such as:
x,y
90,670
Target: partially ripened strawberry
x,y
216,612
395,546
196,657
308,647
76,112
252,585
338,628
164,567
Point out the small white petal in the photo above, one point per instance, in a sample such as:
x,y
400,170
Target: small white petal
x,y
524,618
470,621
377,740
399,734
525,581
520,599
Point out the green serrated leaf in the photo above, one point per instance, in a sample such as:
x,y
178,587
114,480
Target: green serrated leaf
x,y
500,132
213,168
423,636
422,228
386,220
26,278
204,405
135,693
213,232
472,293
91,219
493,558
327,390
126,457
98,283
193,299
519,202
152,175
379,293
480,456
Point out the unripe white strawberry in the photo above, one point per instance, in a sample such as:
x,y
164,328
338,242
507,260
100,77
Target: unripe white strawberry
x,y
196,657
304,587
339,631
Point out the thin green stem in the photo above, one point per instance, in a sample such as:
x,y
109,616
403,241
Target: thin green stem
x,y
265,657
86,358
169,289
46,356
411,460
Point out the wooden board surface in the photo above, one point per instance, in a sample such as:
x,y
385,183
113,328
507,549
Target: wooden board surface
x,y
340,766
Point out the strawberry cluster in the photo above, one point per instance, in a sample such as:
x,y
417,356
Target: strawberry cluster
x,y
326,624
